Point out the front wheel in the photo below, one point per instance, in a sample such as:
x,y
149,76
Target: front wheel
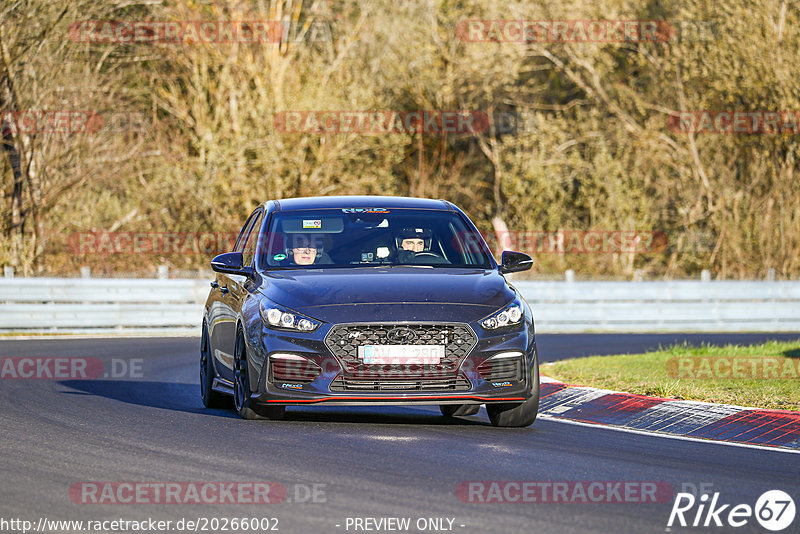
x,y
517,414
244,405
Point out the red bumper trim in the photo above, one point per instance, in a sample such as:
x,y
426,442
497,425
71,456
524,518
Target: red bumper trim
x,y
427,397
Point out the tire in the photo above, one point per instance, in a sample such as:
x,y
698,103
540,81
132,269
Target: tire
x,y
211,398
517,414
242,403
455,410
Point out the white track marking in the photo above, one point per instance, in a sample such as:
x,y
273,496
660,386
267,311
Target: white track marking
x,y
668,436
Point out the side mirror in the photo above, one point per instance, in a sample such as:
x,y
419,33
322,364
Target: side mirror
x,y
514,262
230,263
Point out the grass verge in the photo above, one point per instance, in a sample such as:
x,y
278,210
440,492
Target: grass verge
x,y
761,376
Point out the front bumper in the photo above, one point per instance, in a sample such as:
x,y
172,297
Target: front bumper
x,y
385,400
474,387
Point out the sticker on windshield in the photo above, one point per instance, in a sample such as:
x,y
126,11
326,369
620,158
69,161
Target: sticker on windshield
x,y
365,210
279,257
312,223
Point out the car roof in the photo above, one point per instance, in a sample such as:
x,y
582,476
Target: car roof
x,y
355,201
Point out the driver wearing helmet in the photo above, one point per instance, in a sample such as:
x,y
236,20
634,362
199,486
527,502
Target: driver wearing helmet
x,y
414,246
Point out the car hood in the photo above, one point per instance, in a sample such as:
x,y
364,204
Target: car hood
x,y
389,293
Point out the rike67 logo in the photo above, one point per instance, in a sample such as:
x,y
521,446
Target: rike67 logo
x,y
774,510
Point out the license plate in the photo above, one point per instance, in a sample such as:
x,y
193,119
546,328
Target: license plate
x,y
401,354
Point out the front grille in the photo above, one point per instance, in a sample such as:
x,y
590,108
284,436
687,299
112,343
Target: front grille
x,y
502,369
343,341
450,384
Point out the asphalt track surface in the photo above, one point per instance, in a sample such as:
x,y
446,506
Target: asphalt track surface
x,y
370,462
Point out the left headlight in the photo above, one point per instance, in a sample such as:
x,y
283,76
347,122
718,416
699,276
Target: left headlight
x,y
508,316
276,316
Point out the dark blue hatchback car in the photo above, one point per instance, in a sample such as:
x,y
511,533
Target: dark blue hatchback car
x,y
367,300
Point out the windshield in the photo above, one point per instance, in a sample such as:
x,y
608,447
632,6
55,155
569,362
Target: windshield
x,y
351,237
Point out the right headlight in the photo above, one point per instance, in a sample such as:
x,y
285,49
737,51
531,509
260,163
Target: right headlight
x,y
276,316
508,316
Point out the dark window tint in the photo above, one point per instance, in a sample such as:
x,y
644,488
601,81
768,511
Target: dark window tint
x,y
330,238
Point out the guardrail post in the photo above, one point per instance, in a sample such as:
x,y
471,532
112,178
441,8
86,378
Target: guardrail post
x,y
8,271
638,275
705,275
163,272
771,275
569,275
86,272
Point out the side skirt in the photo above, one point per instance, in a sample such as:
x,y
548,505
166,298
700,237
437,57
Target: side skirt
x,y
222,386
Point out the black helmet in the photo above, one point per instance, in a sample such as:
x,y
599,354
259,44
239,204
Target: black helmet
x,y
414,233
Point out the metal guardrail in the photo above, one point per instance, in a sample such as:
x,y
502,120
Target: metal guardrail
x,y
52,304
47,304
680,306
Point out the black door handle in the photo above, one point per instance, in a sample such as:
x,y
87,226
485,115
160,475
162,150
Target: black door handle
x,y
214,285
224,289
